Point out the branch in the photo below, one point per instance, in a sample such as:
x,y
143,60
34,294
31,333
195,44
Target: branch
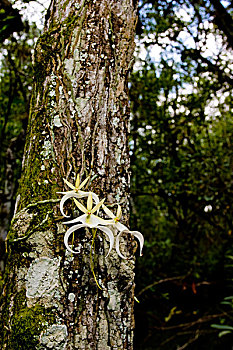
x,y
32,205
159,282
191,324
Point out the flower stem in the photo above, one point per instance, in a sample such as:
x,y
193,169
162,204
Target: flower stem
x,y
92,264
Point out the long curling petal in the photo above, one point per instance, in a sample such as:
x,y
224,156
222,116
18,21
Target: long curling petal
x,y
110,236
136,234
95,197
67,235
118,246
140,237
63,200
68,195
106,230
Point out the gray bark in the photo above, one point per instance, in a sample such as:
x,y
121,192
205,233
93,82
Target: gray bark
x,y
78,124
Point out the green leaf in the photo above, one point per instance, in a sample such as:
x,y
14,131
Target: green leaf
x,y
223,333
222,326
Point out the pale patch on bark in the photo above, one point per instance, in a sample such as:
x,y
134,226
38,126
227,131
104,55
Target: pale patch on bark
x,y
57,121
71,297
114,297
42,282
103,329
47,149
55,337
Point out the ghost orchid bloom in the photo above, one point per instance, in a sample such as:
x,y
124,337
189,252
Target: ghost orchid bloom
x,y
122,228
75,192
77,227
88,218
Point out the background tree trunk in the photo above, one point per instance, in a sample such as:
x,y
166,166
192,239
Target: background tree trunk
x,y
78,124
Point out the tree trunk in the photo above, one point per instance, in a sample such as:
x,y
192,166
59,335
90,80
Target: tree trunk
x,y
78,125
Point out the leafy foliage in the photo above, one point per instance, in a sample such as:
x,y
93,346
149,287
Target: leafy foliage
x,y
10,20
181,151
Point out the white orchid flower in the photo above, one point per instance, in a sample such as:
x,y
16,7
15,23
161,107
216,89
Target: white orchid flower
x,y
122,228
88,218
76,192
77,227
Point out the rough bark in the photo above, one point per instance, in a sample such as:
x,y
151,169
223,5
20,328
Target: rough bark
x,y
78,124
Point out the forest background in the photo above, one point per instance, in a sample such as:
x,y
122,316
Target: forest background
x,y
181,162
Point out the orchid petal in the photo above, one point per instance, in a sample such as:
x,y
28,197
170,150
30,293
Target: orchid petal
x,y
95,197
110,236
103,221
69,184
108,212
140,237
83,183
80,206
67,235
89,202
98,205
118,246
63,200
136,234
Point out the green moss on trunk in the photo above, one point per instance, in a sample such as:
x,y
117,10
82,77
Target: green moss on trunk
x,y
27,325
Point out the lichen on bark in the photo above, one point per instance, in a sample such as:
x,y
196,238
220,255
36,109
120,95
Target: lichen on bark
x,y
78,124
